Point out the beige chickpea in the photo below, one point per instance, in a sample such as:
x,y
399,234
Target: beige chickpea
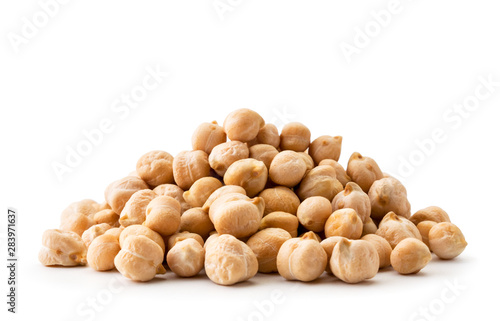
x,y
248,173
326,147
94,231
446,240
227,189
410,256
388,195
155,168
431,213
369,227
134,211
229,260
266,244
339,170
269,135
208,135
102,206
280,199
264,153
115,231
353,197
363,171
181,236
302,259
313,213
107,216
344,222
186,258
190,166
102,252
139,259
283,220
319,181
78,216
328,245
163,215
64,248
424,228
243,125
383,247
223,155
199,192
287,168
354,261
237,214
119,192
135,230
174,191
397,228
307,159
196,220
295,136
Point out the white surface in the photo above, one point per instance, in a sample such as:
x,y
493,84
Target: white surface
x,y
275,57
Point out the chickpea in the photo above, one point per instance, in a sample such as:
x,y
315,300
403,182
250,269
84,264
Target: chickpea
x,y
94,231
424,228
118,192
266,244
223,155
199,192
163,215
280,199
328,245
397,228
78,216
227,189
196,220
410,256
388,195
287,168
363,171
339,170
63,248
353,197
302,259
243,125
326,147
139,259
344,222
369,227
207,136
155,168
107,216
102,206
313,213
264,153
354,261
307,159
229,260
136,230
175,192
431,213
181,236
115,231
190,166
269,135
186,258
446,240
383,247
248,173
320,181
102,252
283,220
295,136
134,211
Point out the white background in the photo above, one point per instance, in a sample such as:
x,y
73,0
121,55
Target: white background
x,y
283,59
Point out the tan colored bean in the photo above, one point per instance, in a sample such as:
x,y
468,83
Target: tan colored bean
x,y
280,199
208,135
102,252
94,231
264,153
388,195
243,125
136,230
363,171
199,192
196,220
227,189
410,256
283,220
369,227
119,192
313,213
269,135
266,244
181,236
339,170
134,211
431,213
383,247
163,215
424,227
155,168
446,240
223,155
107,216
248,173
328,245
186,258
295,136
287,168
353,197
175,192
354,261
78,216
344,222
326,147
397,228
190,166
63,248
319,181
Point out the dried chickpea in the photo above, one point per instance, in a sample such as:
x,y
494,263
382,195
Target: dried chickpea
x,y
248,173
320,181
102,252
118,192
227,189
243,125
339,170
344,222
134,211
325,147
307,159
446,240
190,166
295,136
115,231
229,260
78,216
63,248
383,247
287,168
181,236
283,220
424,227
388,195
410,256
266,244
280,199
328,245
313,213
186,258
223,155
107,216
396,228
196,220
207,136
369,227
354,261
94,231
363,171
431,213
199,192
155,168
163,215
353,197
302,259
264,153
269,135
135,230
175,192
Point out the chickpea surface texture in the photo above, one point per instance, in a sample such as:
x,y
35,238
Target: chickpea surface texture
x,y
388,195
223,155
283,220
280,199
190,166
199,192
320,181
118,193
102,252
339,170
134,211
363,171
295,136
63,248
94,231
226,189
431,213
266,244
446,240
175,192
313,213
78,216
163,215
424,228
208,135
287,168
186,258
248,173
139,259
383,247
243,125
264,153
353,197
107,216
325,147
136,230
196,220
354,261
396,228
344,222
155,168
410,256
328,245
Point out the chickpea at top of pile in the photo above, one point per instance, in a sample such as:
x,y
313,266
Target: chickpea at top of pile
x,y
249,199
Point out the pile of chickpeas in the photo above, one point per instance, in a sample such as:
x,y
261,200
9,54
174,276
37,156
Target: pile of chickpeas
x,y
248,199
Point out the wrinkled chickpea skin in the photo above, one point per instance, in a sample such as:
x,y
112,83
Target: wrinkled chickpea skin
x,y
119,192
243,125
344,222
227,189
266,244
196,220
107,216
320,181
208,135
280,199
62,248
410,256
190,166
364,171
94,231
287,168
354,261
446,240
313,213
186,258
283,220
155,168
134,211
353,197
295,136
163,215
175,192
248,173
264,153
397,228
223,155
325,147
136,230
431,213
388,195
339,170
328,245
181,236
78,216
383,247
102,252
199,192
